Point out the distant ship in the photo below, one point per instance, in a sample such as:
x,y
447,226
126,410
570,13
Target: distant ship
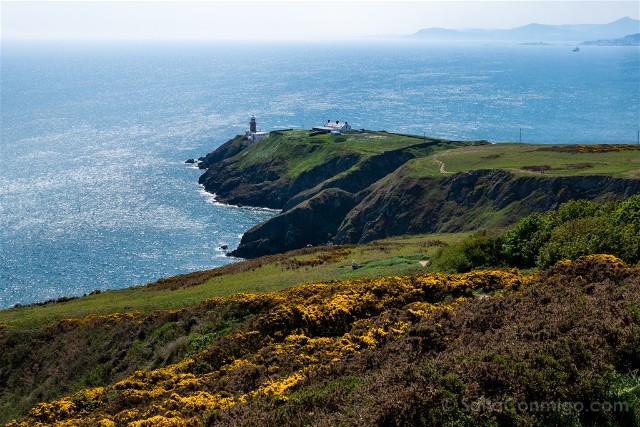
x,y
576,49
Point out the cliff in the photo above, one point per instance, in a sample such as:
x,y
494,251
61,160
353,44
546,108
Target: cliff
x,y
366,186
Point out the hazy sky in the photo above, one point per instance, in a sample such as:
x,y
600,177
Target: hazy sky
x,y
242,20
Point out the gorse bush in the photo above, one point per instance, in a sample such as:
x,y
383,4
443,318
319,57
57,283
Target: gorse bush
x,y
398,351
287,337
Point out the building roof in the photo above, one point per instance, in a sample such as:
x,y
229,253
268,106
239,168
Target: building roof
x,y
330,126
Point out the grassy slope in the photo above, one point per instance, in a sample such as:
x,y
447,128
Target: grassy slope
x,y
293,147
513,157
392,256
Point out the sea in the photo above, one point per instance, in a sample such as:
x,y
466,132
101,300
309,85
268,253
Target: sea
x,y
94,189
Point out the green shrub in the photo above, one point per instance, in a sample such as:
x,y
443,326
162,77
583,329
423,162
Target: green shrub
x,y
577,228
590,235
477,251
575,238
522,243
625,393
576,209
628,213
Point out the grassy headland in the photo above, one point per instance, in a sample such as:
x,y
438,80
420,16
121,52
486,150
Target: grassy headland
x,y
620,161
364,185
302,152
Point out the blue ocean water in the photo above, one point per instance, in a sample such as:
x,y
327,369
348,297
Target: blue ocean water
x,y
94,193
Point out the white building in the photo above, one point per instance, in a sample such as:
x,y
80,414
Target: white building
x,y
333,127
253,134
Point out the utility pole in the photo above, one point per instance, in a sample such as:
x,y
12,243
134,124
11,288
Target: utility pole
x,y
520,135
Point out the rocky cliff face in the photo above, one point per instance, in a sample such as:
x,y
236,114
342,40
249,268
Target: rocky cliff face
x,y
313,221
267,183
349,199
467,201
406,205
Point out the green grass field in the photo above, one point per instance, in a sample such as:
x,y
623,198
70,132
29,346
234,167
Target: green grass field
x,y
393,256
530,159
302,152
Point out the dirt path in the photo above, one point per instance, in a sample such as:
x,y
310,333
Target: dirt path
x,y
441,164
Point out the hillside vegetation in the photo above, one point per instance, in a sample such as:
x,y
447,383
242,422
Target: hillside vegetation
x,y
429,329
477,349
393,256
393,342
577,228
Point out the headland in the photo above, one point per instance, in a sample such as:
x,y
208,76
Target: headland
x,y
359,186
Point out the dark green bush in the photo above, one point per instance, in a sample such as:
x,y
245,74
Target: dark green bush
x,y
589,235
577,228
522,243
477,251
576,209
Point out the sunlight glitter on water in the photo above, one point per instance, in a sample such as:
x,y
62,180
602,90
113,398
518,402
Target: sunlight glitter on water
x,y
93,189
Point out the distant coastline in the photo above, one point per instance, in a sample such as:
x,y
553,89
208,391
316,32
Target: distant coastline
x,y
630,40
536,44
534,31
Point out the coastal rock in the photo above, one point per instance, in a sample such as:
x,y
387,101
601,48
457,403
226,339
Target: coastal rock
x,y
265,184
309,223
225,151
468,201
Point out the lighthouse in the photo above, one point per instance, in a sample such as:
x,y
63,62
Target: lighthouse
x,y
253,134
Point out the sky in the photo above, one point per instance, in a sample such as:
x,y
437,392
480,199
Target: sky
x,y
285,20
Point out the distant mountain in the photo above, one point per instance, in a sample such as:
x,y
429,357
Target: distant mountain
x,y
631,40
538,32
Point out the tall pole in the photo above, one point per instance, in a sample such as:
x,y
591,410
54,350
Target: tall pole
x,y
520,135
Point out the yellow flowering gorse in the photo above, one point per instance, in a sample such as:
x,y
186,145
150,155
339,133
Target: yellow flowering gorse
x,y
307,327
